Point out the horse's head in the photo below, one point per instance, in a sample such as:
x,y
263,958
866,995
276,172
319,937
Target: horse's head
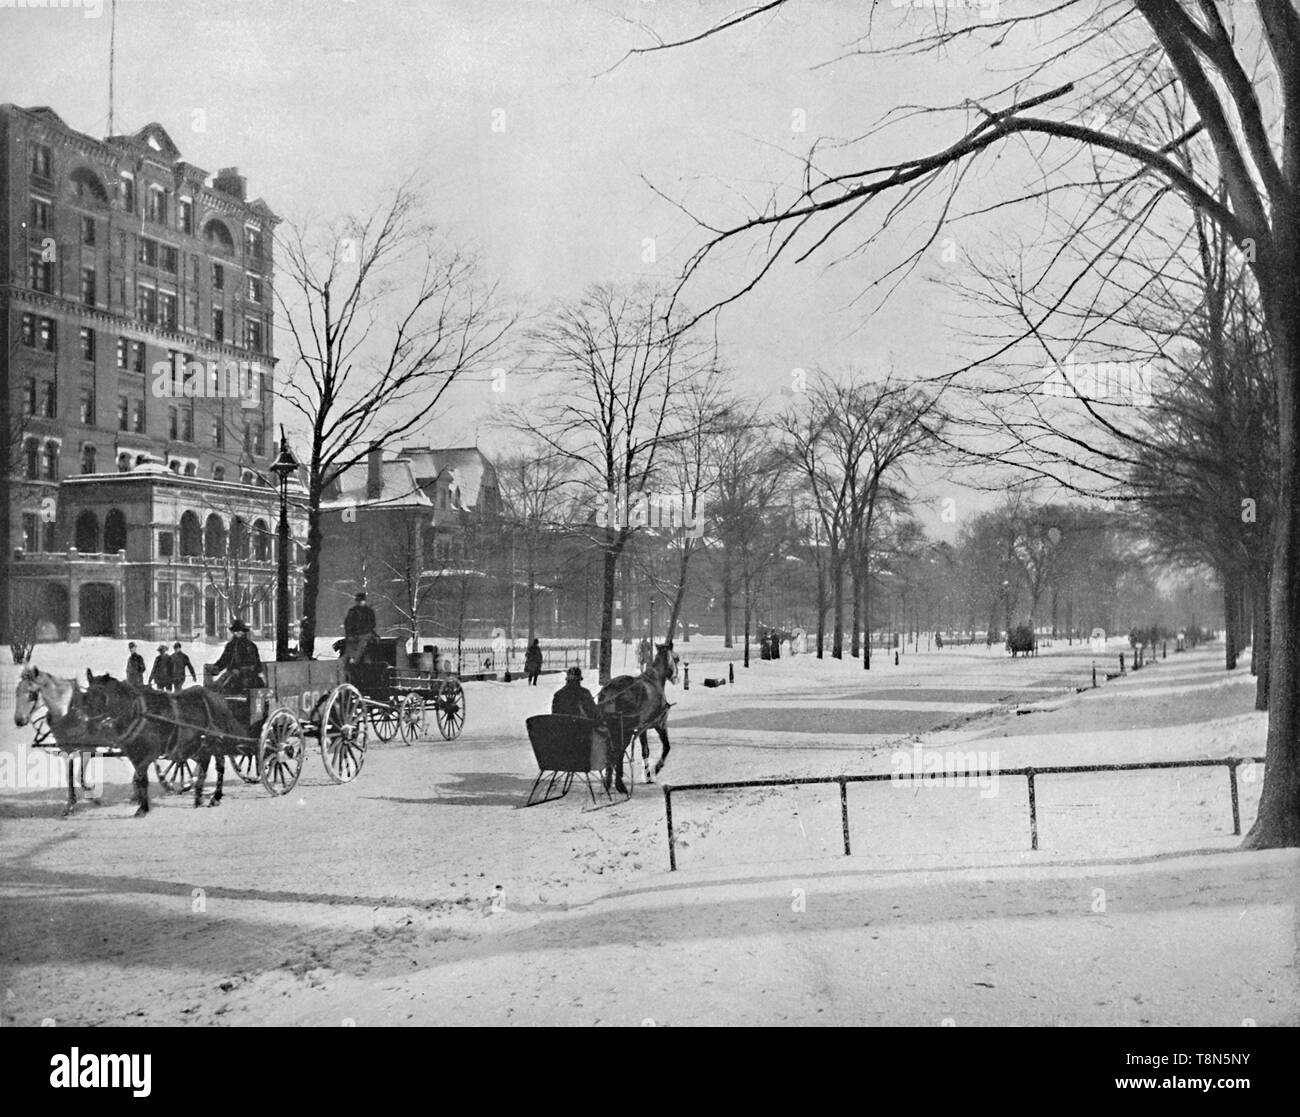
x,y
28,695
666,661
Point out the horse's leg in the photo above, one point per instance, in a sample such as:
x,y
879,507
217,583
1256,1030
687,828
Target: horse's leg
x,y
215,801
201,757
72,791
84,785
645,755
662,730
619,740
142,788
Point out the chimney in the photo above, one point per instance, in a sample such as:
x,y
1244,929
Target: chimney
x,y
375,472
230,181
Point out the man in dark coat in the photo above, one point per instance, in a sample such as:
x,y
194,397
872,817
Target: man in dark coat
x,y
180,664
240,665
160,676
358,630
533,662
573,698
134,666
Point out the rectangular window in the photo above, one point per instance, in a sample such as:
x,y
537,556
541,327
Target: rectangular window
x,y
138,417
32,396
121,352
187,217
40,214
40,274
218,277
128,193
31,532
51,405
165,544
87,412
88,231
47,536
253,243
146,303
259,440
248,438
137,356
29,330
173,423
51,461
218,324
121,245
167,309
187,424
87,338
254,289
41,161
88,286
167,258
218,433
49,335
253,335
123,413
156,205
164,595
148,252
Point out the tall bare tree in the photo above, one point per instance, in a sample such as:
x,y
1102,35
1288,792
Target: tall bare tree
x,y
385,315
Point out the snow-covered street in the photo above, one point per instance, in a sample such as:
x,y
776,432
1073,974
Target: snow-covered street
x,y
422,893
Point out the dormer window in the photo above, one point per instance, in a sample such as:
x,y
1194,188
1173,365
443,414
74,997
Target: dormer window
x,y
41,161
156,205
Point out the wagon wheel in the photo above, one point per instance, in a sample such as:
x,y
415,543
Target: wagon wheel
x,y
246,765
343,733
411,715
177,776
384,718
450,709
280,752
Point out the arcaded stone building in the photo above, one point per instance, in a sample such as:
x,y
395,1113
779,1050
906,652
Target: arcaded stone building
x,y
136,330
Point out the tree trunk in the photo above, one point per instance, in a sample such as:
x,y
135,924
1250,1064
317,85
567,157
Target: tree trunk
x,y
837,605
311,576
1278,821
855,572
1230,627
1263,647
609,577
821,611
728,640
748,613
866,612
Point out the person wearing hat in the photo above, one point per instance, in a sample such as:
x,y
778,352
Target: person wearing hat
x,y
180,664
358,630
160,677
574,699
134,666
240,665
533,662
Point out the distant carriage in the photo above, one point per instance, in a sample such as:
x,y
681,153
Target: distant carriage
x,y
397,699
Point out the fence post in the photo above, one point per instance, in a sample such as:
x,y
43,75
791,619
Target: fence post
x,y
686,676
1033,811
672,841
731,673
1121,663
1236,809
1094,675
844,813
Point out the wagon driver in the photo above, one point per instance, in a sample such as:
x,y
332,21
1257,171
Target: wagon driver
x,y
240,665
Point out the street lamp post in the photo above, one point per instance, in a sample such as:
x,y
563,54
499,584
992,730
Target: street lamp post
x,y
284,467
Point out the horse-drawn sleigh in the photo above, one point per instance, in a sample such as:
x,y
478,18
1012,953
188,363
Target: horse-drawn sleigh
x,y
627,708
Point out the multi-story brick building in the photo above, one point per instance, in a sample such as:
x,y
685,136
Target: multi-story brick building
x,y
136,330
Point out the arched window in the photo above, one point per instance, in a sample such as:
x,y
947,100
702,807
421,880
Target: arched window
x,y
87,533
124,463
218,236
239,541
88,458
191,536
51,461
114,532
214,537
247,477
218,473
261,541
191,469
87,188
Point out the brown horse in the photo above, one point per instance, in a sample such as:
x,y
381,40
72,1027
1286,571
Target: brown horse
x,y
191,724
630,705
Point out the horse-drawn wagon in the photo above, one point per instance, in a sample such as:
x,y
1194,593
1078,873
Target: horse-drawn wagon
x,y
397,698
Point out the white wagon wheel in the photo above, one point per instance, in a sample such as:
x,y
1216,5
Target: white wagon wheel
x,y
343,733
411,716
449,711
281,750
384,717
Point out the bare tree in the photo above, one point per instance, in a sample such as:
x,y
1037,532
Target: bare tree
x,y
1244,93
533,498
619,368
385,315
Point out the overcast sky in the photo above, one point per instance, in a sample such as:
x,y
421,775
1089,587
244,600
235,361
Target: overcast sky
x,y
324,105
